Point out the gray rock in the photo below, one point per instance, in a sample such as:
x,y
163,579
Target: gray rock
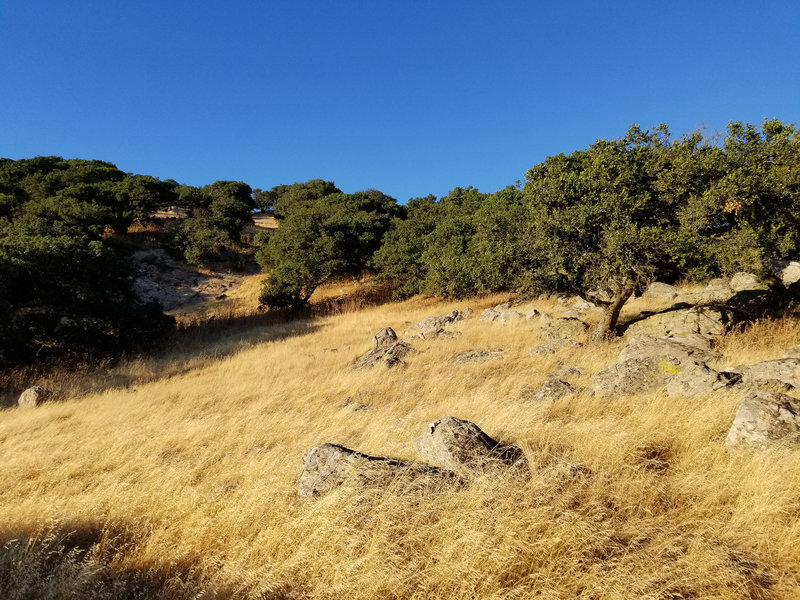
x,y
385,337
533,313
34,396
698,378
757,304
563,329
579,303
505,315
764,419
746,281
787,271
476,356
669,349
706,321
553,389
432,334
784,370
658,290
441,321
456,444
386,350
328,466
631,376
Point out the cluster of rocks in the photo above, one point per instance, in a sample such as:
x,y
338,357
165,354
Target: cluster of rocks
x,y
451,451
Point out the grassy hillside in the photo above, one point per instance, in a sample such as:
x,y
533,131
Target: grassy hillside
x,y
185,486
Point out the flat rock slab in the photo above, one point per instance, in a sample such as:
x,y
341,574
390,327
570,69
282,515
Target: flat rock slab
x,y
765,419
706,321
457,445
438,322
782,370
389,356
553,389
476,356
504,315
329,466
674,350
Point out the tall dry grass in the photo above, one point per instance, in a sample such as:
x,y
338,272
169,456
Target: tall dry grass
x,y
185,486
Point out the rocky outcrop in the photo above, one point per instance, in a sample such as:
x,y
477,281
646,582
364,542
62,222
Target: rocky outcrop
x,y
476,356
746,281
765,419
440,322
328,466
784,371
386,350
500,315
456,444
670,349
707,321
34,396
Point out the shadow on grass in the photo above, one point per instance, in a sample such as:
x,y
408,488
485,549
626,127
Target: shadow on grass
x,y
88,560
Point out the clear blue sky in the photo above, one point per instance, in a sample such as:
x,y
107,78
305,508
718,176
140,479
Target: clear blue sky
x,y
410,97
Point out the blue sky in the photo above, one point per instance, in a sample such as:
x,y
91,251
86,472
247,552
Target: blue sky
x,y
409,97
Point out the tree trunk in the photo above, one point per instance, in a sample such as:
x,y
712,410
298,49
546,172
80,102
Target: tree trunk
x,y
608,322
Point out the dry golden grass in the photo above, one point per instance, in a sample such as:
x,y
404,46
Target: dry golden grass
x,y
184,486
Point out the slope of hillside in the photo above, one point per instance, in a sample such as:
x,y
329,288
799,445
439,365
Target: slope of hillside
x,y
186,487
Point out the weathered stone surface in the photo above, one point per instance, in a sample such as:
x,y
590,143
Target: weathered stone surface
x,y
669,349
505,315
717,290
553,389
631,377
764,419
440,321
787,271
579,303
658,290
328,466
692,379
456,444
563,329
386,350
784,370
385,337
746,281
707,321
34,396
476,356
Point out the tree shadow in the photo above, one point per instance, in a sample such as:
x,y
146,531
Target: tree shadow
x,y
81,560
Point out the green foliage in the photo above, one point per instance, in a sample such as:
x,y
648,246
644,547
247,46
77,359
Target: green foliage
x,y
63,289
283,199
332,236
219,212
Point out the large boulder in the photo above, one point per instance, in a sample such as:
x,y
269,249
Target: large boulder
x,y
34,396
757,304
553,389
675,351
765,419
707,321
386,350
328,466
456,444
698,378
746,281
788,271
